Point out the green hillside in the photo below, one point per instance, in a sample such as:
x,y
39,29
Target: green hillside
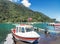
x,y
12,12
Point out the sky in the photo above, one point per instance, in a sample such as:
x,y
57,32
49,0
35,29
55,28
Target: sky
x,y
50,8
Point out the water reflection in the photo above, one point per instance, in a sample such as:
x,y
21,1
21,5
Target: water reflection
x,y
48,39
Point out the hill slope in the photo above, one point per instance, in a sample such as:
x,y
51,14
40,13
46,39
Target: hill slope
x,y
12,12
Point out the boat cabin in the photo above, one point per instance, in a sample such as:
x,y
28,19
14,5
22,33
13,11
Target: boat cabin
x,y
24,28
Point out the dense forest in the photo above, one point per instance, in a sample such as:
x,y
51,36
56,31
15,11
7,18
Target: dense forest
x,y
13,12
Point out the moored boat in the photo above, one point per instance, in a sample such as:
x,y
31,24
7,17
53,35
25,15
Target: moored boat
x,y
25,33
56,27
54,24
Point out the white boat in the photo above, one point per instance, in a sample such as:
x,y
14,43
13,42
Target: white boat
x,y
54,24
56,27
25,33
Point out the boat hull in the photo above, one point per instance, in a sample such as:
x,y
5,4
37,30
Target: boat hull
x,y
26,39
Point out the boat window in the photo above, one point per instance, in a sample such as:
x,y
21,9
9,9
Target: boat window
x,y
16,29
29,29
23,29
19,29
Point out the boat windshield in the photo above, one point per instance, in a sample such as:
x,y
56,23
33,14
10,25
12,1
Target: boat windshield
x,y
23,29
29,29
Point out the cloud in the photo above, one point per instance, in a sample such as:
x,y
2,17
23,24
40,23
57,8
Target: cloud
x,y
14,0
10,0
26,3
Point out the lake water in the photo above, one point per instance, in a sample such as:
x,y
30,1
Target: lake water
x,y
6,28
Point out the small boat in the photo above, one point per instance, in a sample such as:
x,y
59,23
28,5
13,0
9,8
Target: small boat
x,y
57,24
54,24
56,27
25,32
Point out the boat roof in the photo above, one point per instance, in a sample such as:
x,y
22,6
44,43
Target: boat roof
x,y
24,25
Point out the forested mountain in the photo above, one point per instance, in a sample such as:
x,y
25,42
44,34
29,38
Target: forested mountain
x,y
12,12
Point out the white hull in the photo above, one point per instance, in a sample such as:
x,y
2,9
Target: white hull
x,y
27,40
30,41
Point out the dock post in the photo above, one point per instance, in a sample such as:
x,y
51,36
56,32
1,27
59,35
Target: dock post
x,y
14,40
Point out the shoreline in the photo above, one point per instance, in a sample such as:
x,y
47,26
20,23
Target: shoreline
x,y
43,40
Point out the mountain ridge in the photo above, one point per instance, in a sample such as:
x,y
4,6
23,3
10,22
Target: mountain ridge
x,y
12,12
